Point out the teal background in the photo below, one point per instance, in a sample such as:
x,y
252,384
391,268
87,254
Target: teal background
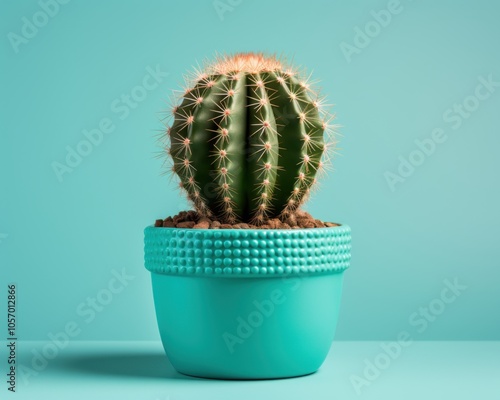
x,y
61,241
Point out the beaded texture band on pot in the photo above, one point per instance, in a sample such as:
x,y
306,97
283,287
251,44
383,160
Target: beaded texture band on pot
x,y
247,253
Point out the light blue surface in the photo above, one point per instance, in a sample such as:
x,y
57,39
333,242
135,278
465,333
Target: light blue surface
x,y
61,242
140,371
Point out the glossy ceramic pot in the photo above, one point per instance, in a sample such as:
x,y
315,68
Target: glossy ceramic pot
x,y
247,304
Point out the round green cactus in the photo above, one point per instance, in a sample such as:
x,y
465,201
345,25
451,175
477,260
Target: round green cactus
x,y
247,140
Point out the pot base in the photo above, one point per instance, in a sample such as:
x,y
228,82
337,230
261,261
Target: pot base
x,y
247,304
250,328
245,379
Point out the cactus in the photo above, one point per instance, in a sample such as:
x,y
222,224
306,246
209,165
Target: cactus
x,y
247,139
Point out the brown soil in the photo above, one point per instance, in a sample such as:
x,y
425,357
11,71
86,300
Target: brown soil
x,y
191,219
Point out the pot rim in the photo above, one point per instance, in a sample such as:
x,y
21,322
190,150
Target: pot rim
x,y
247,252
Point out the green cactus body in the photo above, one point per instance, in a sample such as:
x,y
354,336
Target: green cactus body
x,y
247,140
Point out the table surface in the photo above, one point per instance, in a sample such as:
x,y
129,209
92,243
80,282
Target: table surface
x,y
353,370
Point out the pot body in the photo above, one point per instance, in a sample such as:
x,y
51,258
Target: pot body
x,y
237,304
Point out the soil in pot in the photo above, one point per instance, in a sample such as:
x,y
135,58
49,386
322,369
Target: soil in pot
x,y
191,219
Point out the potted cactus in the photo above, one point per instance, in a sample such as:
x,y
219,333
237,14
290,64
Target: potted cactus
x,y
247,285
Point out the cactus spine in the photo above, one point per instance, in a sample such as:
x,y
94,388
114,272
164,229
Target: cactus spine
x,y
247,139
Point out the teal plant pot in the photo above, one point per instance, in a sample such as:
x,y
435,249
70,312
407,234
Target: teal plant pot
x,y
247,304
